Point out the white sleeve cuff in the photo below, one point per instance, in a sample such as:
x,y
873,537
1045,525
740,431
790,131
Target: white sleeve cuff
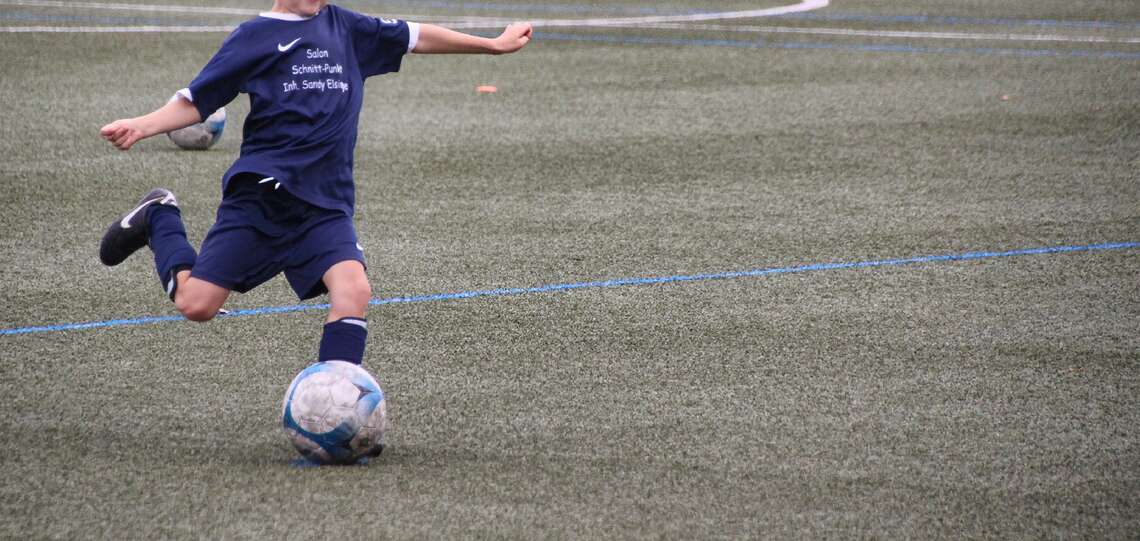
x,y
413,35
185,93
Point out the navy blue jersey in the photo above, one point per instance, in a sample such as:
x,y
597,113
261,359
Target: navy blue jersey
x,y
305,81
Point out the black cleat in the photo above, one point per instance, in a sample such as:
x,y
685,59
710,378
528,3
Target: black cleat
x,y
132,230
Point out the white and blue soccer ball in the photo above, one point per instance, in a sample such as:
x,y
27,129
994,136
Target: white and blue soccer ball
x,y
334,413
202,135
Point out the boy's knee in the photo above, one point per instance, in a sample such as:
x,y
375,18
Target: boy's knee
x,y
194,309
349,290
198,300
351,295
358,293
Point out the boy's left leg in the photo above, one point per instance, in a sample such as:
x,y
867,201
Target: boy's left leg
x,y
346,329
349,290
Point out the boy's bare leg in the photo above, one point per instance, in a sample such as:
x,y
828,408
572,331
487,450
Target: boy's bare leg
x,y
198,299
349,291
346,331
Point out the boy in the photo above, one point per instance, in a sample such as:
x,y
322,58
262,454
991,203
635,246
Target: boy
x,y
287,201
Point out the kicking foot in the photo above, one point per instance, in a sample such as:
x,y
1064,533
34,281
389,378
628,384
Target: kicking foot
x,y
132,230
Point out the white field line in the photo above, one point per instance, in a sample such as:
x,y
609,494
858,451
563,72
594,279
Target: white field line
x,y
890,33
113,29
174,9
165,28
480,22
132,7
664,22
847,32
805,5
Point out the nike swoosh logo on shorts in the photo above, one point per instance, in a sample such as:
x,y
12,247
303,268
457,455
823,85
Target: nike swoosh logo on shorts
x,y
125,223
285,48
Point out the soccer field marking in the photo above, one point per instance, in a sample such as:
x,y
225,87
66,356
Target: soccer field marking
x,y
663,22
683,21
604,284
648,40
167,8
848,47
858,17
477,22
802,11
139,29
737,29
963,21
851,32
829,16
805,5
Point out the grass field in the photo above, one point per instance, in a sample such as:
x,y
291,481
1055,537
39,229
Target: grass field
x,y
995,395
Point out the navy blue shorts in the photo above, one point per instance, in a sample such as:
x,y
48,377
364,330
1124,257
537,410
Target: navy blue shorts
x,y
263,230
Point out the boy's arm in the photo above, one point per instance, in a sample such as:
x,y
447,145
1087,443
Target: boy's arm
x,y
176,114
436,39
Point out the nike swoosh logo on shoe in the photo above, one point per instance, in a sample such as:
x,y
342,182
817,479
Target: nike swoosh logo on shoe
x,y
285,48
125,223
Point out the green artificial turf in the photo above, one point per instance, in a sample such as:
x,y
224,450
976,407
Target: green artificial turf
x,y
991,398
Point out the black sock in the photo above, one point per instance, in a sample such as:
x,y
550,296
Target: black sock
x,y
343,340
172,252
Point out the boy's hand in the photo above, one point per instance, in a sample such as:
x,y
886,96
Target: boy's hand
x,y
176,114
513,38
123,133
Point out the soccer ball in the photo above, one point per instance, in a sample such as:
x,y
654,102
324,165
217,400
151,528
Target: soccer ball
x,y
334,413
202,135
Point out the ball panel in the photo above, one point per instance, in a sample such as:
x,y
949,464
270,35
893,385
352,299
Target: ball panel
x,y
369,439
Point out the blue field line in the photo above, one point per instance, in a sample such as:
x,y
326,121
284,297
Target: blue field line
x,y
92,325
876,48
620,282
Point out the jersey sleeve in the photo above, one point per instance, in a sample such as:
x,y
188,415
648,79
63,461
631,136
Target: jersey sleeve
x,y
381,44
224,75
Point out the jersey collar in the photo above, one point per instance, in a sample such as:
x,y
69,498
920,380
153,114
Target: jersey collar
x,y
284,16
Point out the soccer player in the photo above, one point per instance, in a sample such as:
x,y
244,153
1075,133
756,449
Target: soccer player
x,y
287,202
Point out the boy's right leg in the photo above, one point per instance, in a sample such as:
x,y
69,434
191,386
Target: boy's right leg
x,y
157,222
